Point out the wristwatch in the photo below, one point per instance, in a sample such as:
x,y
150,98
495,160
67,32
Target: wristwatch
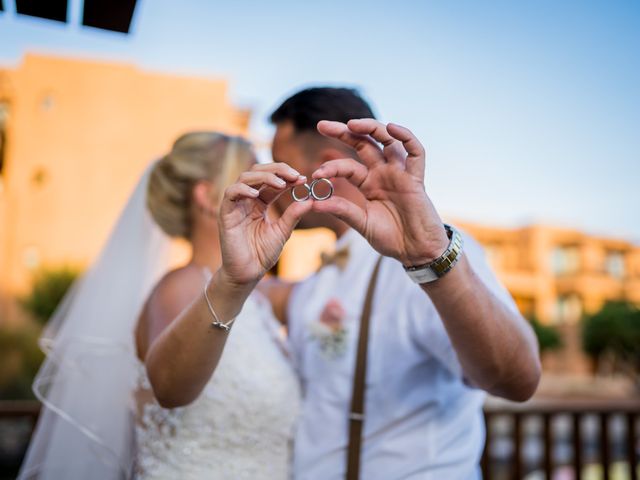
x,y
443,264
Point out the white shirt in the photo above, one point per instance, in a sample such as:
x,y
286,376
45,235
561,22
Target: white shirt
x,y
421,420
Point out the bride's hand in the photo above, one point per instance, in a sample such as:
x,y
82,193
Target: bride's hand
x,y
250,241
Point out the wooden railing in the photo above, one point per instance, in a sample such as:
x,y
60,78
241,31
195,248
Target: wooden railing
x,y
20,409
507,422
547,412
17,420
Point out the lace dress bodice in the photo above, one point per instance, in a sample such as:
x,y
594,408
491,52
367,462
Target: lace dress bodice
x,y
241,426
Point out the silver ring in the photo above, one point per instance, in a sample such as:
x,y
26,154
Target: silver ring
x,y
313,186
298,199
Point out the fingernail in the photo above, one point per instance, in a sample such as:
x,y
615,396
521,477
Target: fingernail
x,y
293,172
281,182
254,192
302,177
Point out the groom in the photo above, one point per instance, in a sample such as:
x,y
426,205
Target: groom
x,y
442,330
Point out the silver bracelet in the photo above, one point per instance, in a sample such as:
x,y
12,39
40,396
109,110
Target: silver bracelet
x,y
216,320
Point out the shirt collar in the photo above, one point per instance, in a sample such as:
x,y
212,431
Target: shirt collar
x,y
348,238
358,246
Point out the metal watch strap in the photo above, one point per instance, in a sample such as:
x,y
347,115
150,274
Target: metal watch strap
x,y
443,264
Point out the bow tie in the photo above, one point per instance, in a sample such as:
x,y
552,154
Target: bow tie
x,y
340,258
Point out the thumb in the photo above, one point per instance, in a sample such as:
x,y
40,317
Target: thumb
x,y
347,211
292,215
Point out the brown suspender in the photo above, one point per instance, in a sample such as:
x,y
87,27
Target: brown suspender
x,y
356,417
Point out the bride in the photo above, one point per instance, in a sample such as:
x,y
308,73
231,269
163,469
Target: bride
x,y
120,399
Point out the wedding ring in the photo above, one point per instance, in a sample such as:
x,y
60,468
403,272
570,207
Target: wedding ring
x,y
301,199
315,183
310,190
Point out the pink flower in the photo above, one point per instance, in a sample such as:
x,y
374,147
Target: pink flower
x,y
333,315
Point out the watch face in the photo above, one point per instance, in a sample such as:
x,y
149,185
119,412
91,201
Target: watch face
x,y
423,275
440,266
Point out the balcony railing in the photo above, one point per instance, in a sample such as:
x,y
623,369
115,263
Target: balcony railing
x,y
549,436
532,439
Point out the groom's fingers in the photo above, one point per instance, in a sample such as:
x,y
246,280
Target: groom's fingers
x,y
416,154
378,131
372,127
350,213
348,168
368,150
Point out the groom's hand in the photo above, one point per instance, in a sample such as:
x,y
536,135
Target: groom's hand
x,y
398,218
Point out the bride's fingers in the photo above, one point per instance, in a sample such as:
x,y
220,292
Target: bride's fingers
x,y
355,172
235,193
269,173
281,169
350,213
292,215
269,194
267,179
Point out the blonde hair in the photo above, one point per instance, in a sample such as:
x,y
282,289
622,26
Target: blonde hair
x,y
194,157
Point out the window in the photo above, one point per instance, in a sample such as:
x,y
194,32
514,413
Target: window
x,y
565,260
614,264
568,309
494,255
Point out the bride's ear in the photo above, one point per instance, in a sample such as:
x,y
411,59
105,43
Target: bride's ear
x,y
205,198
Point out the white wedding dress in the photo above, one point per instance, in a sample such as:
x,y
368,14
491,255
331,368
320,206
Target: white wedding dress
x,y
241,426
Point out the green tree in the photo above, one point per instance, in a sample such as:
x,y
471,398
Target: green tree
x,y
20,355
615,331
548,337
49,286
20,358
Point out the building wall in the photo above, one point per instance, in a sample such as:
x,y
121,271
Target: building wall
x,y
78,136
557,274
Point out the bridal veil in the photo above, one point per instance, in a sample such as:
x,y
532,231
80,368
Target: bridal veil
x,y
85,384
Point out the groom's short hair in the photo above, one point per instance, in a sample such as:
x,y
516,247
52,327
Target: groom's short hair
x,y
307,107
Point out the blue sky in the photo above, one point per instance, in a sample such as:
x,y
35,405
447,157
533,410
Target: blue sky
x,y
530,111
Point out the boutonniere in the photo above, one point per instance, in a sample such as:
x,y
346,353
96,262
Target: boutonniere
x,y
329,330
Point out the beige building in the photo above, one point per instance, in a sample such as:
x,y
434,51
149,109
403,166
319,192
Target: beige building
x,y
75,135
556,274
